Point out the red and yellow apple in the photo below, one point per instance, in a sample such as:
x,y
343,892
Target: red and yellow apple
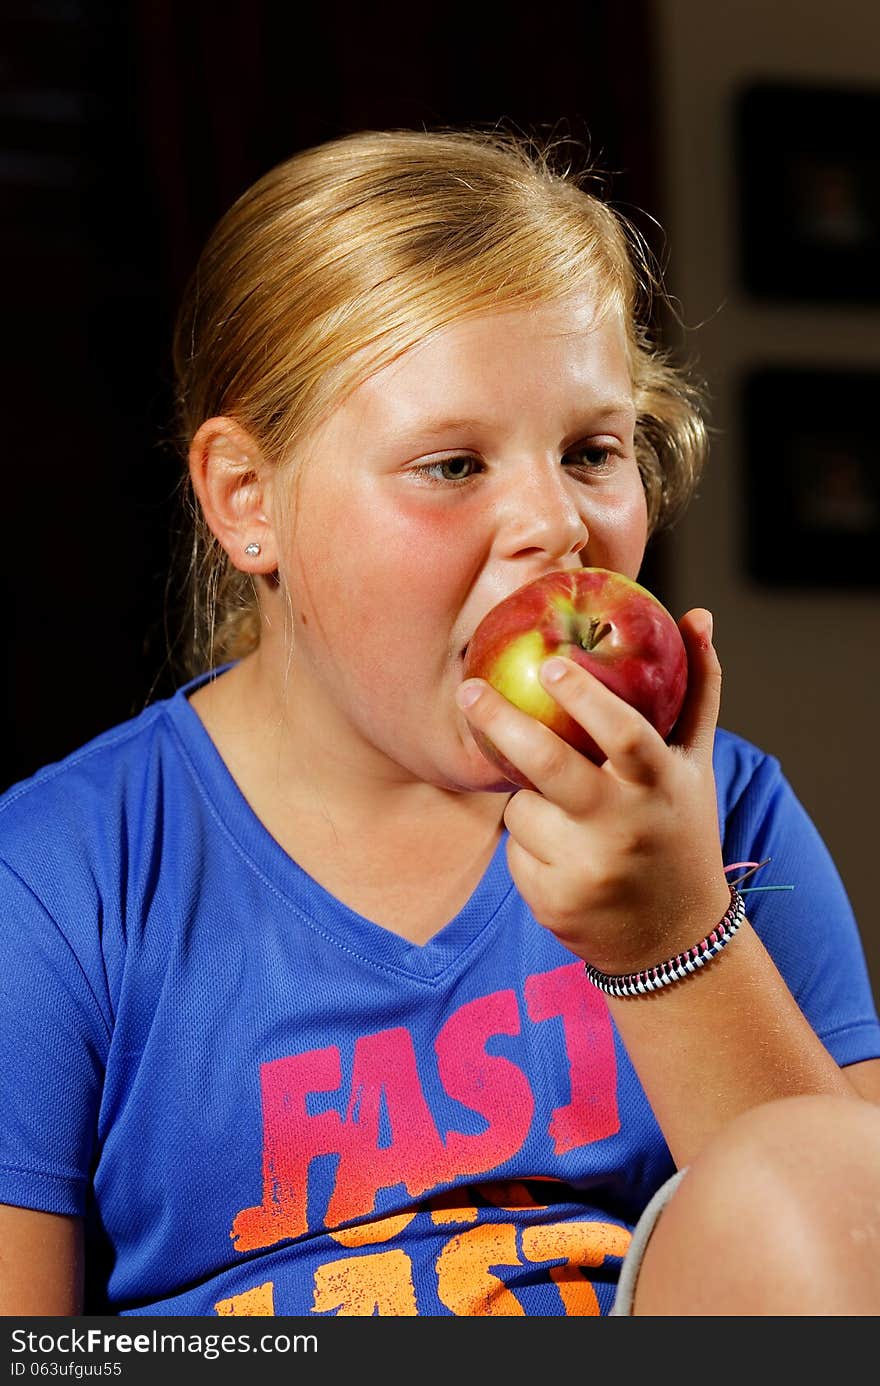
x,y
607,623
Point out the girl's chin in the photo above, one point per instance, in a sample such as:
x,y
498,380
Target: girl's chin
x,y
480,776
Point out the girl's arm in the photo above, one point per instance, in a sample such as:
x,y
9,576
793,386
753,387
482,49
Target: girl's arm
x,y
624,864
721,1042
41,1263
865,1078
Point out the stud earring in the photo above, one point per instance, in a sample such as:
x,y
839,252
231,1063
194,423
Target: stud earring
x,y
252,549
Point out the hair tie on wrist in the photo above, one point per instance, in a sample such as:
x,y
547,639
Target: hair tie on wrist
x,y
681,966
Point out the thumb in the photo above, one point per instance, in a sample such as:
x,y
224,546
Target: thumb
x,y
695,729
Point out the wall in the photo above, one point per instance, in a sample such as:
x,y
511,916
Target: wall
x,y
802,669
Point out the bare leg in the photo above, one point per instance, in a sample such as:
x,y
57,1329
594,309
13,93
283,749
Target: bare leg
x,y
779,1215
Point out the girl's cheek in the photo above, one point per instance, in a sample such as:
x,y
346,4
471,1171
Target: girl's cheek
x,y
430,516
445,529
623,533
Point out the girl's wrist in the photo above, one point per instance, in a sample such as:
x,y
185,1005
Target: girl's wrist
x,y
678,966
666,933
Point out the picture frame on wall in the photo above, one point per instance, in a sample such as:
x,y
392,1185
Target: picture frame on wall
x,y
811,514
808,175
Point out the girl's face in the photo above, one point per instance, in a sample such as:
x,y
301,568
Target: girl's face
x,y
498,450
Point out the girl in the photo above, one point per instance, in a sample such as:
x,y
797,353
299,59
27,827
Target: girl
x,y
296,1015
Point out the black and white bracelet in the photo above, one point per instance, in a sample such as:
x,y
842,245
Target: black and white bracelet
x,y
675,969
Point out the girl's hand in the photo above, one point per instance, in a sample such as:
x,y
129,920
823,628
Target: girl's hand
x,y
622,862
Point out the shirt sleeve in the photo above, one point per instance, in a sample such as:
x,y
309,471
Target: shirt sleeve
x,y
54,1039
798,905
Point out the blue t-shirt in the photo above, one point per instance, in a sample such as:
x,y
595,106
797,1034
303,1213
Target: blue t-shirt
x,y
264,1103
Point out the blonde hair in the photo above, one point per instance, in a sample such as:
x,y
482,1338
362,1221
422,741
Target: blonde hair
x,y
343,257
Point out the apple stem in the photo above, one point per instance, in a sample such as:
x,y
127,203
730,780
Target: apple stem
x,y
595,632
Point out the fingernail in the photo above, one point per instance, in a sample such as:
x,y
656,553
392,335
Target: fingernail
x,y
468,693
710,625
552,670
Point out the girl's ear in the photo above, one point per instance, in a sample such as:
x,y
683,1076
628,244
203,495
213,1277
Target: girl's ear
x,y
233,485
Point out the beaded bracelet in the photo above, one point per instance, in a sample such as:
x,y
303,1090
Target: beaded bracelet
x,y
674,969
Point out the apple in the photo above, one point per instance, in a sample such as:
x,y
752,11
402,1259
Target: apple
x,y
609,624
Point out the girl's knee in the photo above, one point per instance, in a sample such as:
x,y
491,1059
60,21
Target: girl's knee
x,y
802,1138
779,1214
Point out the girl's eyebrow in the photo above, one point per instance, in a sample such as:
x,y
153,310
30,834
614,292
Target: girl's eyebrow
x,y
615,407
431,427
597,413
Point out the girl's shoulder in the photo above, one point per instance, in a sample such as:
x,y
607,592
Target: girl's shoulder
x,y
74,780
103,792
742,769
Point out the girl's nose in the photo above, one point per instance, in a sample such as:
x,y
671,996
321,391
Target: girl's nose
x,y
540,517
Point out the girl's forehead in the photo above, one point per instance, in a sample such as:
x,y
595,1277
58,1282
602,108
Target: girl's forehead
x,y
550,358
561,354
485,341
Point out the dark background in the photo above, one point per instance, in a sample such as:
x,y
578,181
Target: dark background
x,y
126,128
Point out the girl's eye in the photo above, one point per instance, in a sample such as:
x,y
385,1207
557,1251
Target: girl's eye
x,y
451,469
590,457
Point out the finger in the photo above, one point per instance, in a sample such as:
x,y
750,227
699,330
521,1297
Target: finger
x,y
529,873
695,729
549,764
634,748
540,826
539,886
